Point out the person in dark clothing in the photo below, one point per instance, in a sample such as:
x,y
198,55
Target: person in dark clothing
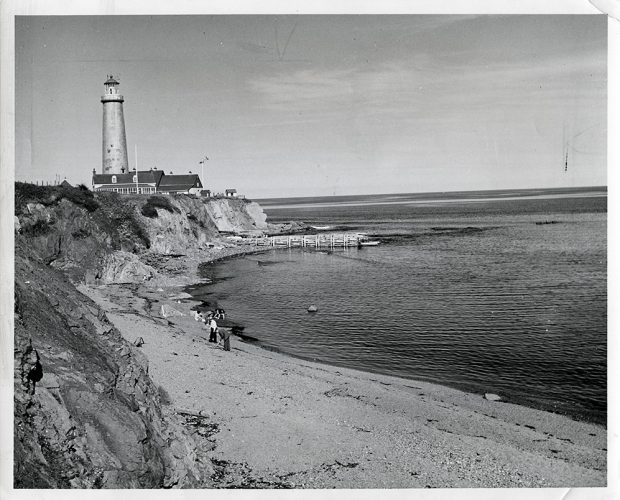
x,y
225,335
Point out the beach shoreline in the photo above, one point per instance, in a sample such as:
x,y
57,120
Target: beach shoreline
x,y
281,421
259,333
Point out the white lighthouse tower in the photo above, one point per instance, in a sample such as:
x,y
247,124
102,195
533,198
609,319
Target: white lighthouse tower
x,y
114,140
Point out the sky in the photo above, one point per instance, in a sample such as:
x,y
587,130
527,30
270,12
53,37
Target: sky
x,y
320,105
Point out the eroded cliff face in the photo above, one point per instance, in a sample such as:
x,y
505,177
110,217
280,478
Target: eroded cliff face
x,y
87,414
237,216
197,223
108,240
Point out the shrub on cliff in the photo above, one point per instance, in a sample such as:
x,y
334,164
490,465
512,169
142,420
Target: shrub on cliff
x,y
51,195
149,211
154,202
81,196
27,193
195,219
39,228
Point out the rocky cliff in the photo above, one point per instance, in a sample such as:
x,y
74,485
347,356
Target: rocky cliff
x,y
86,411
111,237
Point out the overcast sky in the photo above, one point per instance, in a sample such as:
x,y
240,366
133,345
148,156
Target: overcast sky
x,y
321,105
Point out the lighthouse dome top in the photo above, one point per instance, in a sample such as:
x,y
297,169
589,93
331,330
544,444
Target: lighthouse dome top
x,y
111,93
111,81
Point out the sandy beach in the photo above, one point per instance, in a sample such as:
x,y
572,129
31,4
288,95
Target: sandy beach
x,y
278,421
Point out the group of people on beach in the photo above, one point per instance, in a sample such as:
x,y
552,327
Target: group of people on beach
x,y
209,319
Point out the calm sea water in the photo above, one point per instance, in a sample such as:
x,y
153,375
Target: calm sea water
x,y
464,290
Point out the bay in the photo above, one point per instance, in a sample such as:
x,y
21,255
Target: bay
x,y
487,292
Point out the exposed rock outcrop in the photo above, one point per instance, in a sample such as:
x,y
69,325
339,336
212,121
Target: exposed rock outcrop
x,y
236,216
86,412
124,267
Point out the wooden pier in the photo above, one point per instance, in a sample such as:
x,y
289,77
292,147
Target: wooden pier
x,y
315,240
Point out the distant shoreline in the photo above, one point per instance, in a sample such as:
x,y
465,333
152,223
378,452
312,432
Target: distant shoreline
x,y
428,198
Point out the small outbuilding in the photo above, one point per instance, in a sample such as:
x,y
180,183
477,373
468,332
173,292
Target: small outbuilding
x,y
231,193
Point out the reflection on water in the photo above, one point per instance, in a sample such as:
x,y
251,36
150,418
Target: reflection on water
x,y
478,297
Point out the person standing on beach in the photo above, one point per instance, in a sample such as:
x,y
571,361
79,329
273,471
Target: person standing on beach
x,y
205,322
225,336
213,329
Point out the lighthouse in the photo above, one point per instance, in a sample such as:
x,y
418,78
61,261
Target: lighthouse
x,y
114,141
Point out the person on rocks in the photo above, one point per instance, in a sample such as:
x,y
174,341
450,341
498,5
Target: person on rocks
x,y
213,330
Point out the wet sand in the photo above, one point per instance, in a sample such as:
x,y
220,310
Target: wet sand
x,y
277,421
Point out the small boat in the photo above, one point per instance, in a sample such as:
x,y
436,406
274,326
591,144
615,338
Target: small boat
x,y
321,228
371,243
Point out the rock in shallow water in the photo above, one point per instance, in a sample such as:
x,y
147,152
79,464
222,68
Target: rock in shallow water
x,y
492,397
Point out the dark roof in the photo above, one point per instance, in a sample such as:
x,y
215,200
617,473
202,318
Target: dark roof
x,y
111,81
179,182
158,177
149,176
231,190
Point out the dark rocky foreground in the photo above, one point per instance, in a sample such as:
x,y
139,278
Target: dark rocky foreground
x,y
87,413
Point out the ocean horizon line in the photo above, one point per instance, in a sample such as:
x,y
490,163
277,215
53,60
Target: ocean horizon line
x,y
475,196
428,193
